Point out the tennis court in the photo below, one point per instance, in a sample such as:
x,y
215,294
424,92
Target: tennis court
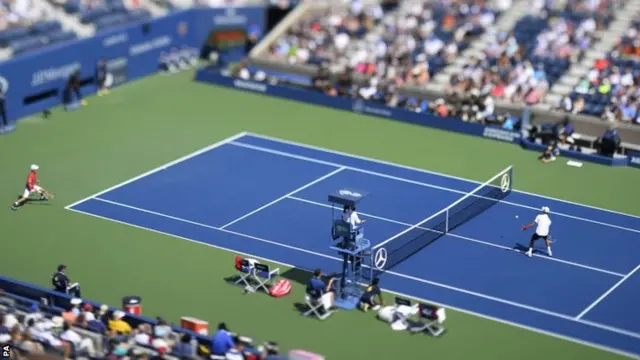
x,y
266,197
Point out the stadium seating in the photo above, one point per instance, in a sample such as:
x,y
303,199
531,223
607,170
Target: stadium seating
x,y
407,43
33,319
611,88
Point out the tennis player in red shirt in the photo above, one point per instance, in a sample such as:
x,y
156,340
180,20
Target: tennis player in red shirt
x,y
30,188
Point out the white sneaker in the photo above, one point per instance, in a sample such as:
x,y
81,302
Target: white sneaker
x,y
529,253
549,252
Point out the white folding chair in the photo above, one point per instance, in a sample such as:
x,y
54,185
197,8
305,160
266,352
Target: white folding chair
x,y
316,307
255,275
246,270
431,319
263,276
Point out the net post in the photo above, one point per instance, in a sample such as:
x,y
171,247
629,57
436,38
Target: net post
x,y
446,222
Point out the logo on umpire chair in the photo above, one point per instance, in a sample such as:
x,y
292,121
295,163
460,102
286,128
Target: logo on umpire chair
x,y
350,193
505,183
380,258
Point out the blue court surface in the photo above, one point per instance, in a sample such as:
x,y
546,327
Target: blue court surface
x,y
267,198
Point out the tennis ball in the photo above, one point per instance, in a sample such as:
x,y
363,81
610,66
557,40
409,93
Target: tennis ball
x,y
516,216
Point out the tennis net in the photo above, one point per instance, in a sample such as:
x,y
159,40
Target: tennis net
x,y
399,247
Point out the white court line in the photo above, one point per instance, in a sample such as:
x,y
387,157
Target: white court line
x,y
433,283
454,308
585,311
308,159
468,239
406,167
284,197
162,167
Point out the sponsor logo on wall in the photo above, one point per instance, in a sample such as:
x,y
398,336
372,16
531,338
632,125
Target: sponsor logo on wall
x,y
116,39
153,44
230,18
48,75
250,85
360,106
499,134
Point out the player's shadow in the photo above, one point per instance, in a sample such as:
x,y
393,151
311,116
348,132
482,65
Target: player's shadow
x,y
524,248
37,202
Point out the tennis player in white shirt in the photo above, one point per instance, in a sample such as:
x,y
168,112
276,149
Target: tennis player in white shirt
x,y
350,215
543,226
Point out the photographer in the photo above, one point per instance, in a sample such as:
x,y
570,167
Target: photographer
x,y
73,87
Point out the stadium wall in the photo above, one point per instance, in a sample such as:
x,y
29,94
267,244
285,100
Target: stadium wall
x,y
34,82
381,110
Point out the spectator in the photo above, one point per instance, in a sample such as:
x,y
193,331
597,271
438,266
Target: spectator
x,y
10,320
4,331
184,349
30,346
143,335
83,346
271,352
87,312
236,352
34,313
69,315
162,329
222,340
118,325
96,325
103,315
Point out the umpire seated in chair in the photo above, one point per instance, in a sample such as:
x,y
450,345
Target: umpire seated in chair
x,y
61,283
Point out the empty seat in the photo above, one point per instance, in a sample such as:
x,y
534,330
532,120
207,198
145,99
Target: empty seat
x,y
11,35
46,27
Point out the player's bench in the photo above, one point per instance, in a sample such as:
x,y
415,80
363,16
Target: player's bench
x,y
415,318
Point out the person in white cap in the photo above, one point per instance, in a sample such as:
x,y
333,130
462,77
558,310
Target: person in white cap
x,y
30,188
543,226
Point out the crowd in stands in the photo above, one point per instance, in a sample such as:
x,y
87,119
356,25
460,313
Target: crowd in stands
x,y
82,331
611,89
19,13
520,66
390,43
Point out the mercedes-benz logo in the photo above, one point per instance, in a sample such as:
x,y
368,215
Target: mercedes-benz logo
x,y
380,258
505,182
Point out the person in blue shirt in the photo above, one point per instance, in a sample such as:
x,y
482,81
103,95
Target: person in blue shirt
x,y
222,340
368,298
609,142
565,130
318,290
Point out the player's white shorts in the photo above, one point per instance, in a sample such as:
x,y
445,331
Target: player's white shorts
x,y
27,192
